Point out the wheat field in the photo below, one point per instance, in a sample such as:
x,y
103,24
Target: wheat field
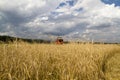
x,y
24,61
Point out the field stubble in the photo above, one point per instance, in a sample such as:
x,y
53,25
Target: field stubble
x,y
23,61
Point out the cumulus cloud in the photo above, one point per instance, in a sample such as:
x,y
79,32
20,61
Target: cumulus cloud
x,y
72,19
17,14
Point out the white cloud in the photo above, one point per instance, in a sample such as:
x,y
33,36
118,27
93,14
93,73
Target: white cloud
x,y
44,18
85,18
29,7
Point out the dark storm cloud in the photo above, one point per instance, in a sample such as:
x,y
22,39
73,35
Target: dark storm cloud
x,y
62,31
11,21
16,14
13,17
101,26
37,19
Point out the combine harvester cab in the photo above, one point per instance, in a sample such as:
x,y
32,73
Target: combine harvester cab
x,y
59,40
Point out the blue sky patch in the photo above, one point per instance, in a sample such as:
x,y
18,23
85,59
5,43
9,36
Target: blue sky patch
x,y
116,2
62,4
71,3
71,19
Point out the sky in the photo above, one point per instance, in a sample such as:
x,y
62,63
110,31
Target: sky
x,y
83,20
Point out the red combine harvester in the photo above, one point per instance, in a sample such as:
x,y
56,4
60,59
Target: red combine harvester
x,y
59,40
